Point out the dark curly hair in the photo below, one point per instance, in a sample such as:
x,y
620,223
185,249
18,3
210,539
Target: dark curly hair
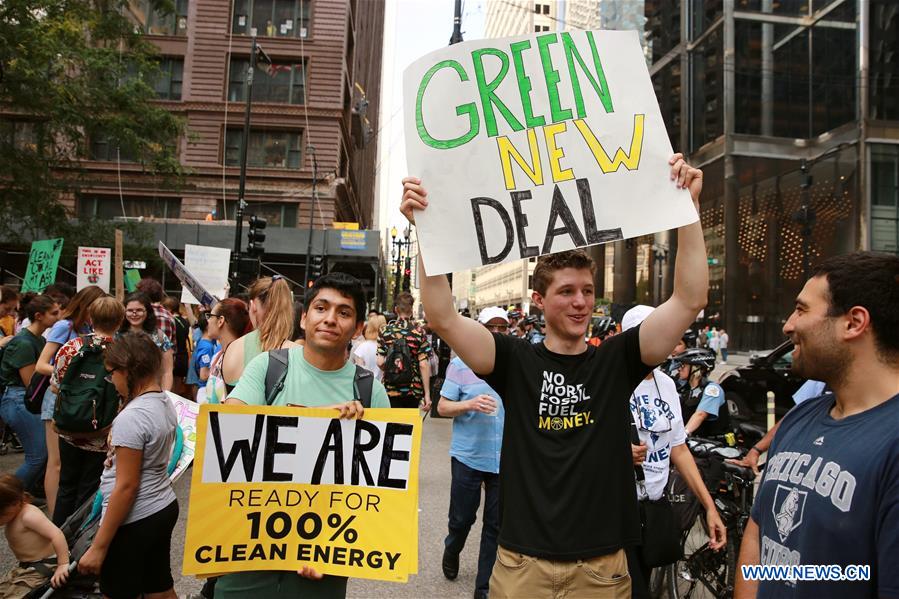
x,y
869,280
548,265
347,285
150,322
136,354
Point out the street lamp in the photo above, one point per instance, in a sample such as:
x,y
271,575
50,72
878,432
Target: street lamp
x,y
660,253
397,246
257,54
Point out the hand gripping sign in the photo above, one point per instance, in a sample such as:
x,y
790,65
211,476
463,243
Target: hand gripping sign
x,y
279,488
536,144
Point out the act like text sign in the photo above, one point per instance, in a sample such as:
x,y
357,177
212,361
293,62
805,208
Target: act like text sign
x,y
94,266
279,488
536,144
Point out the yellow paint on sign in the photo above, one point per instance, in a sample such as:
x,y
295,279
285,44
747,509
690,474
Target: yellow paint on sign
x,y
309,500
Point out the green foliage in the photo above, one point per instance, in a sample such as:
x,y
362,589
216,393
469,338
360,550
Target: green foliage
x,y
73,69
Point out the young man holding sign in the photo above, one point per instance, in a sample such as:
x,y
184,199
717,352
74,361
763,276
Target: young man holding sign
x,y
567,497
318,375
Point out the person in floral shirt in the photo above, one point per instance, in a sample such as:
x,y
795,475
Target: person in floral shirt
x,y
81,459
415,393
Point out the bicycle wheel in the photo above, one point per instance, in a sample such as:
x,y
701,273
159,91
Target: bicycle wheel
x,y
702,573
658,582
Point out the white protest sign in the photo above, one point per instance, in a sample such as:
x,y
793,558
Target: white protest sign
x,y
186,411
210,266
536,144
94,266
186,277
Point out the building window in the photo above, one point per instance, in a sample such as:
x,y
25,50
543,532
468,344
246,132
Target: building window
x,y
707,74
662,26
106,149
283,82
884,60
539,28
168,86
155,22
267,148
276,214
703,14
23,136
110,207
667,85
273,18
885,198
546,9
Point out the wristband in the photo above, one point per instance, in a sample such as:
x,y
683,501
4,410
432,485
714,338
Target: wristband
x,y
756,448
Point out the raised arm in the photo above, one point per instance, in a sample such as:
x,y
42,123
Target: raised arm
x,y
662,329
472,342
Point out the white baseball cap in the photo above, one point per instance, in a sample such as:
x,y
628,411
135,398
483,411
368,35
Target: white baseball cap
x,y
488,314
635,316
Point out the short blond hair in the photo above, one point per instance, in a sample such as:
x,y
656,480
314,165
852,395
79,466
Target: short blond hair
x,y
372,328
107,313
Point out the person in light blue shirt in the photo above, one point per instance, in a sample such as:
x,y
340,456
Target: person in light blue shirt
x,y
810,389
201,360
478,416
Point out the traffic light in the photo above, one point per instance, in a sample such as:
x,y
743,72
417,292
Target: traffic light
x,y
407,274
315,270
248,268
256,236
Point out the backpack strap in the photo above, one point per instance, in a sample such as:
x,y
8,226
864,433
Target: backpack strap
x,y
363,382
275,374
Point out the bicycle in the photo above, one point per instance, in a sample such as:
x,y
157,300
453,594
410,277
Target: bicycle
x,y
703,572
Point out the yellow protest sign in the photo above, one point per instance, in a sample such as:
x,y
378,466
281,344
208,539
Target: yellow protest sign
x,y
278,488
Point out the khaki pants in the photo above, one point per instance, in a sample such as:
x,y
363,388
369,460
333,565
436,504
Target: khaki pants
x,y
20,581
516,576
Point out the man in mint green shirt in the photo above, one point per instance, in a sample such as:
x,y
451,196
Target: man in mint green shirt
x,y
318,375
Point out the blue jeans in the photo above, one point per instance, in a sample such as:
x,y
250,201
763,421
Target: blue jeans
x,y
465,498
30,431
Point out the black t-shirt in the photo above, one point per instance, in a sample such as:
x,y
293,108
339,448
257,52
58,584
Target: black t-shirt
x,y
567,480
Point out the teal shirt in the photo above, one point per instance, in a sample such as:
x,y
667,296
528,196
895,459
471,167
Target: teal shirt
x,y
22,350
305,384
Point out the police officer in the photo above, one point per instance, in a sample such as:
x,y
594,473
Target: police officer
x,y
702,400
671,366
533,332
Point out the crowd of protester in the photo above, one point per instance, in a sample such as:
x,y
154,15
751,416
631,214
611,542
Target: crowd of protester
x,y
601,411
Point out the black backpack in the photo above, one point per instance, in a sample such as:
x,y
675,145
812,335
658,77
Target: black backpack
x,y
276,374
181,361
399,367
87,402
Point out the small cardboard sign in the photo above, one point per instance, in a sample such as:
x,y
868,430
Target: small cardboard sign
x,y
93,267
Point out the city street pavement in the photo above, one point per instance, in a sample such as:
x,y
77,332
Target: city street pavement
x,y
433,505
